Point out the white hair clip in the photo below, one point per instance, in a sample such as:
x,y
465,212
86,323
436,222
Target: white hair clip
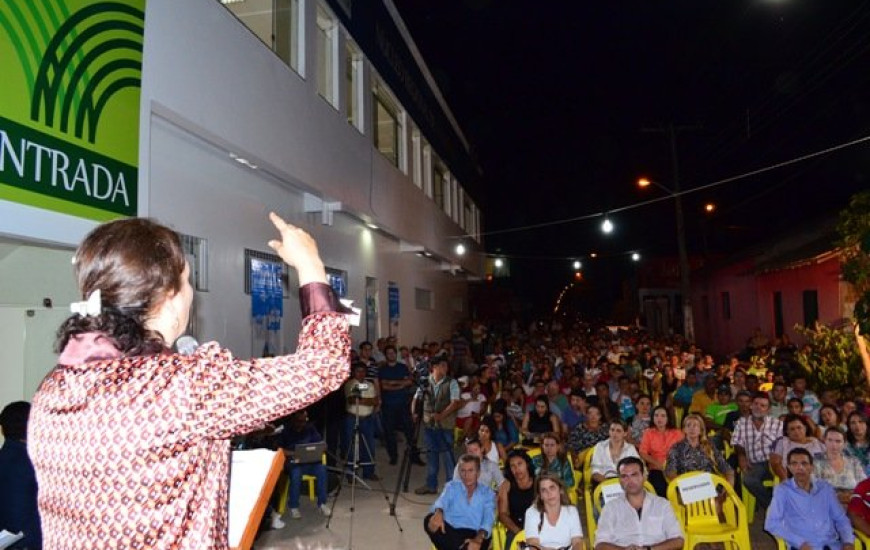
x,y
92,307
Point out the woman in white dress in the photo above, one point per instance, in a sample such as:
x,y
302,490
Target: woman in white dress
x,y
552,522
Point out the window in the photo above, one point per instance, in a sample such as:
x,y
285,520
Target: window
x,y
327,55
386,123
777,314
811,307
427,169
354,75
439,172
416,158
290,33
423,299
726,305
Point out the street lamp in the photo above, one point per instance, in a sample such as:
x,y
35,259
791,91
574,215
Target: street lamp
x,y
685,286
709,207
577,265
499,263
607,226
635,257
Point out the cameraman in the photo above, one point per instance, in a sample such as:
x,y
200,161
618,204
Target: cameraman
x,y
362,398
440,404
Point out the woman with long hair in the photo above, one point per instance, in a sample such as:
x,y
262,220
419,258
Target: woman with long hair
x,y
492,450
554,459
517,493
552,522
655,445
504,431
796,432
607,454
130,441
842,471
858,439
540,420
695,453
589,432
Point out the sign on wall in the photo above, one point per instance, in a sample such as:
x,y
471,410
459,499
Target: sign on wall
x,y
69,105
393,294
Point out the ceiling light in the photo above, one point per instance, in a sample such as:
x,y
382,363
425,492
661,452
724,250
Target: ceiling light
x,y
607,226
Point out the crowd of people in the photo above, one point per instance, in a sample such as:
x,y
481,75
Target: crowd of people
x,y
530,408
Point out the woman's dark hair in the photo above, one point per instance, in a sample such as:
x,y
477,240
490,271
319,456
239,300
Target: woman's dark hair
x,y
836,414
136,264
789,418
561,454
489,422
669,425
543,399
508,475
849,435
13,420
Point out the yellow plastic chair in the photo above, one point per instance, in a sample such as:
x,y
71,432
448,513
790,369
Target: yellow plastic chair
x,y
862,541
598,505
700,520
521,537
587,488
499,536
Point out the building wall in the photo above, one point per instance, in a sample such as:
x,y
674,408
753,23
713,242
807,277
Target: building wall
x,y
752,302
211,88
715,332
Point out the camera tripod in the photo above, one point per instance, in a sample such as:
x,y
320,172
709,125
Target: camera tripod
x,y
351,467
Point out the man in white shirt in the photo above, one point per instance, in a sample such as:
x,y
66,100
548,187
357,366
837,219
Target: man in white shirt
x,y
637,520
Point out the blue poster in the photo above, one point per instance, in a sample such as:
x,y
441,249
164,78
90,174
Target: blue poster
x,y
393,292
267,294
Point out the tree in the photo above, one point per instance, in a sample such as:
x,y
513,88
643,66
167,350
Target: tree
x,y
854,230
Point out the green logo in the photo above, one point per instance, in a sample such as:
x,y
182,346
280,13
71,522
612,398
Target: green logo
x,y
69,107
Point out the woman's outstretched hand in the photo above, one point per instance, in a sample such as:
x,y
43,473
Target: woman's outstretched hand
x,y
299,250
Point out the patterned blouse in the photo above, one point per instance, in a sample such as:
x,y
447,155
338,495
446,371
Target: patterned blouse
x,y
581,438
133,452
557,467
862,453
684,458
851,475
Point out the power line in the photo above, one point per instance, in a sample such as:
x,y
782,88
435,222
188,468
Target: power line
x,y
673,195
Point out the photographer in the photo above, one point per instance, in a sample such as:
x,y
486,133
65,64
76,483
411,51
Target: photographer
x,y
362,398
440,404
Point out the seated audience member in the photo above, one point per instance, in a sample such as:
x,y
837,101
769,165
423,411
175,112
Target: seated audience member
x,y
18,509
829,417
655,445
463,514
795,406
516,494
492,449
796,434
552,522
695,453
575,412
589,432
473,403
810,401
540,420
805,512
609,409
859,507
505,433
609,452
642,419
718,410
752,440
858,439
553,459
490,475
842,471
301,431
637,519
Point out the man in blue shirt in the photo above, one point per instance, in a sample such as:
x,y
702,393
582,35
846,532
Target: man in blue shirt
x,y
463,514
805,512
18,509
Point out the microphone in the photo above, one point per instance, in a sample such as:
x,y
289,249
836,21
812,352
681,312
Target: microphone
x,y
186,345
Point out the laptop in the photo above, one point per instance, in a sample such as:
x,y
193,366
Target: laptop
x,y
306,453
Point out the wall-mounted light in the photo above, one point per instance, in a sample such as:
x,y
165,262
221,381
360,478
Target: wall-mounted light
x,y
372,226
635,257
499,263
460,249
607,226
577,264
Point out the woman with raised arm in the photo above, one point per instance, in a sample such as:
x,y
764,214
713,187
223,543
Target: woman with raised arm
x,y
130,441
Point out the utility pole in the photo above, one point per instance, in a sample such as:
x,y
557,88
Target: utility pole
x,y
685,284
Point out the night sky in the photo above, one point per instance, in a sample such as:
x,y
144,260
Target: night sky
x,y
555,98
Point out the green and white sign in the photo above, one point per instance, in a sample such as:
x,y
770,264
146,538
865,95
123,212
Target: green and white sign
x,y
69,105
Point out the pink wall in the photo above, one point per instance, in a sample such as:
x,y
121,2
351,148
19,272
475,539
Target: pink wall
x,y
752,302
